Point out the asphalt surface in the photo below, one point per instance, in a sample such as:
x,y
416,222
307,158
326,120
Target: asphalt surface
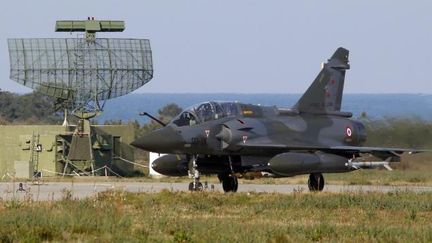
x,y
78,190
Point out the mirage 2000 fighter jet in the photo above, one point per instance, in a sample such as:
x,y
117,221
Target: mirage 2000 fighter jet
x,y
229,138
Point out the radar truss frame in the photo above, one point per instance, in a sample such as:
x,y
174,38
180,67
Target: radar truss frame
x,y
81,75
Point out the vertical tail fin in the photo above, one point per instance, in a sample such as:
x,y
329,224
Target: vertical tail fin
x,y
325,93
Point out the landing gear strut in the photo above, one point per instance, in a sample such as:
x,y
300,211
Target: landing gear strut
x,y
195,185
316,182
229,182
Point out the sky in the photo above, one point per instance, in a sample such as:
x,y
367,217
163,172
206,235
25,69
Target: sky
x,y
250,46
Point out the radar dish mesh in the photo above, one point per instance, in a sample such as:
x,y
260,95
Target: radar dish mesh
x,y
74,69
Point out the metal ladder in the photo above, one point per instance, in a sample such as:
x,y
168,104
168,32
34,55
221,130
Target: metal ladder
x,y
34,157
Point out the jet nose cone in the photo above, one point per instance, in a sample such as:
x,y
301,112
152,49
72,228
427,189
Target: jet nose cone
x,y
163,140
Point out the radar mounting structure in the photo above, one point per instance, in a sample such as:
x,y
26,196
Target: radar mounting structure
x,y
81,74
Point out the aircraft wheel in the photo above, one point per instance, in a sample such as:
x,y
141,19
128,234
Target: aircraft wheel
x,y
199,186
316,182
230,184
234,183
226,185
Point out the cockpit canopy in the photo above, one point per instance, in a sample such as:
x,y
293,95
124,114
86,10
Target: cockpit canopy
x,y
205,112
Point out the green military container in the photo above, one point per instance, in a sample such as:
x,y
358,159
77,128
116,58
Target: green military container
x,y
41,150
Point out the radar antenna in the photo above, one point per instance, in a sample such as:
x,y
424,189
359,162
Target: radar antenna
x,y
82,73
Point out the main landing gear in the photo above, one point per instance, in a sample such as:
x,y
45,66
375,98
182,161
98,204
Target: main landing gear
x,y
316,182
229,182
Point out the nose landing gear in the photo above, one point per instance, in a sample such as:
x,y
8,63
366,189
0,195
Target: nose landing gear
x,y
195,185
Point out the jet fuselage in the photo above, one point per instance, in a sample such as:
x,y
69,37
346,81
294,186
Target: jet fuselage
x,y
229,133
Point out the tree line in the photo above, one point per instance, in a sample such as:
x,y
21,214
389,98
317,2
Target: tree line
x,y
32,108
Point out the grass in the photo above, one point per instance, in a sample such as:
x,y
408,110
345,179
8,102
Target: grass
x,y
217,217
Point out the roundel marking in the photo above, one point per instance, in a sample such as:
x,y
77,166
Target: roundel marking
x,y
348,132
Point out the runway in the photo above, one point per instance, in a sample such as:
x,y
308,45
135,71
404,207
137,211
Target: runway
x,y
79,190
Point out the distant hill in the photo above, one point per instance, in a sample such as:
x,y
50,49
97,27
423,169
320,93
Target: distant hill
x,y
376,106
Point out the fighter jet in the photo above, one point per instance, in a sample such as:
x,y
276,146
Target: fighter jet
x,y
231,138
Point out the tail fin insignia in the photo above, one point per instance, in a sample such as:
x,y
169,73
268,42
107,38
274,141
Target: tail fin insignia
x,y
325,93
